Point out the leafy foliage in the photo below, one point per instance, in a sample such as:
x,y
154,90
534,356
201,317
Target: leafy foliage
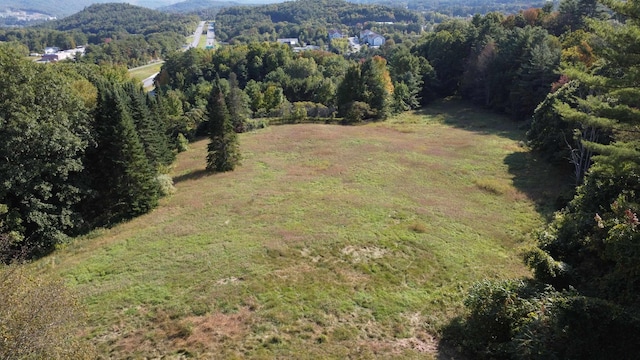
x,y
116,33
44,132
306,20
587,258
81,146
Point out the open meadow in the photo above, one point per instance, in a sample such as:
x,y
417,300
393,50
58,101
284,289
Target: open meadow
x,y
327,242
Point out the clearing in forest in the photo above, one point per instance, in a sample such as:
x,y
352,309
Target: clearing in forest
x,y
327,242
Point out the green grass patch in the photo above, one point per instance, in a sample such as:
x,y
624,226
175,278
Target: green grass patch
x,y
327,242
143,72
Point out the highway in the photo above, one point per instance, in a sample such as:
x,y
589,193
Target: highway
x,y
148,82
196,36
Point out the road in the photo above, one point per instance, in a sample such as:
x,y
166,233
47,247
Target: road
x,y
148,82
211,37
196,35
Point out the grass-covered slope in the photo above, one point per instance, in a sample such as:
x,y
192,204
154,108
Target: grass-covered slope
x,y
327,242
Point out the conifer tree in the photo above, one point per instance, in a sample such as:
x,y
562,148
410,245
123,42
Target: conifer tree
x,y
223,150
122,178
350,89
602,216
149,128
238,104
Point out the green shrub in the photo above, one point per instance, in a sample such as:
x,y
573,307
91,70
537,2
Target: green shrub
x,y
514,319
166,184
182,143
255,124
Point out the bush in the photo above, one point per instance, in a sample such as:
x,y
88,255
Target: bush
x,y
255,124
39,318
182,143
357,111
515,319
166,184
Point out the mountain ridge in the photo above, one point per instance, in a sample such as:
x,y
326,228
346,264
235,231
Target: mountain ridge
x,y
62,8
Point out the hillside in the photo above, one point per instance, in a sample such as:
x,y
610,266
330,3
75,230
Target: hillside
x,y
116,18
313,18
196,5
328,241
62,8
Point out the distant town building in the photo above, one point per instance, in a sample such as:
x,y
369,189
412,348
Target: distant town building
x,y
335,34
288,41
62,55
371,38
306,48
51,50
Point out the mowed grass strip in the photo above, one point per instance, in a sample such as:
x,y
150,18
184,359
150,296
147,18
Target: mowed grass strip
x,y
143,72
327,242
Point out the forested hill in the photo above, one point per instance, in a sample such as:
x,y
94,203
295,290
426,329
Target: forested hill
x,y
196,5
67,7
116,34
114,18
274,18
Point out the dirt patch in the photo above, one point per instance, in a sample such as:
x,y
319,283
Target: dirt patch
x,y
424,344
208,332
360,254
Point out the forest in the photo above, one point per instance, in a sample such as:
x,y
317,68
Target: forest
x,y
84,147
309,21
115,33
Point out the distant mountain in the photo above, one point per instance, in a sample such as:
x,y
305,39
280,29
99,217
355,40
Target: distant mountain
x,y
111,19
61,8
196,5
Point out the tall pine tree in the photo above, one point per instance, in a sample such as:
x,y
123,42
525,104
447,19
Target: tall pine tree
x,y
223,149
149,128
123,180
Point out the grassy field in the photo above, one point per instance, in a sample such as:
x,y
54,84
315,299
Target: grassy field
x,y
143,72
327,242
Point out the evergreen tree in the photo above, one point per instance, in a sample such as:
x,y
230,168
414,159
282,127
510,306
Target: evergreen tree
x,y
149,128
585,298
223,149
123,180
350,89
590,233
238,104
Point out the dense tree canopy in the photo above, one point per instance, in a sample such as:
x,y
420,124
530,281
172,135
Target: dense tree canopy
x,y
116,33
73,148
584,300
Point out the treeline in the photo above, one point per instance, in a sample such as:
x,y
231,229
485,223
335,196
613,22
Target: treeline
x,y
584,298
115,33
307,20
80,146
276,82
465,8
504,63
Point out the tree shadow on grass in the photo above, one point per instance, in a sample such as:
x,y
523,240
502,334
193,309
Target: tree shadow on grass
x,y
192,175
464,115
549,187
